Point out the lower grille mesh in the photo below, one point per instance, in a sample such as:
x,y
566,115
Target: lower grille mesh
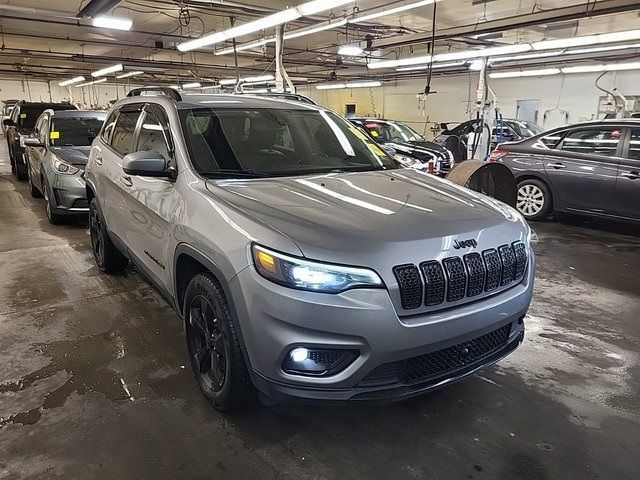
x,y
438,363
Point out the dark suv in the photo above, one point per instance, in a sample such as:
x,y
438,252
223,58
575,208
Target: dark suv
x,y
589,168
19,125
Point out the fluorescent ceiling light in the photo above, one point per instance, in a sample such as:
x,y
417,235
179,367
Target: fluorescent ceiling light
x,y
228,81
397,63
317,6
245,46
364,84
602,49
330,86
308,31
260,78
611,67
112,22
587,40
130,74
485,52
175,87
191,85
108,70
390,11
91,83
527,56
435,65
278,18
350,50
257,90
210,86
71,81
525,73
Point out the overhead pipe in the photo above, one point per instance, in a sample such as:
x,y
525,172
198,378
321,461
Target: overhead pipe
x,y
98,7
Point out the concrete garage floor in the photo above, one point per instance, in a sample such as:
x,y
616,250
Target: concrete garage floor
x,y
94,379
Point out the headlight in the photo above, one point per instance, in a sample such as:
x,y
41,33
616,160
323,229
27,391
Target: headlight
x,y
62,167
307,275
408,161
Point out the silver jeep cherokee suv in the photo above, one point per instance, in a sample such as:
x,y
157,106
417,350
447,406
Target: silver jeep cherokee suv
x,y
306,263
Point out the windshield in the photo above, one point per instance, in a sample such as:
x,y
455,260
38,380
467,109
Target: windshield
x,y
77,132
277,142
524,128
392,132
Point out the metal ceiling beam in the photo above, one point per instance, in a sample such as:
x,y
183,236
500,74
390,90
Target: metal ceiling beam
x,y
98,7
554,15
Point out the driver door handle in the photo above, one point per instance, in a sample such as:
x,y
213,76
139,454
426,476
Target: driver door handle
x,y
556,165
631,175
98,160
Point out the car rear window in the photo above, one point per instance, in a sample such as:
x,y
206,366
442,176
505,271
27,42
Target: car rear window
x,y
78,131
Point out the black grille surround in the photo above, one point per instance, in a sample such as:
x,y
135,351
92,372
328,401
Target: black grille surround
x,y
458,278
439,363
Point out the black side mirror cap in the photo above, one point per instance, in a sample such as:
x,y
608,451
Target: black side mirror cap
x,y
146,164
8,122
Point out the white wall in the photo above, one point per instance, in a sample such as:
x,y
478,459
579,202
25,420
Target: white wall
x,y
575,93
85,97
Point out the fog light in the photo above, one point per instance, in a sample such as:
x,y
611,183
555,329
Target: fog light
x,y
317,361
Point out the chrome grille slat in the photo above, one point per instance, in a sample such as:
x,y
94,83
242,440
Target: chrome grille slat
x,y
455,278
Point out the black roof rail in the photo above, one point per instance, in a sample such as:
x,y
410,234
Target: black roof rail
x,y
169,92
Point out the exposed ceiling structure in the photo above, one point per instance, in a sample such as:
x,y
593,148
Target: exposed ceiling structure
x,y
60,42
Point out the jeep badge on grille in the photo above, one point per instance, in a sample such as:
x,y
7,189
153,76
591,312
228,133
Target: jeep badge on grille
x,y
464,244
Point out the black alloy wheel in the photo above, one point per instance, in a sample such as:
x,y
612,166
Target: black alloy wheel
x,y
208,345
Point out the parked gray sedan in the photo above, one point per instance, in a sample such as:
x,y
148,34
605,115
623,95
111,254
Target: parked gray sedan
x,y
589,168
57,153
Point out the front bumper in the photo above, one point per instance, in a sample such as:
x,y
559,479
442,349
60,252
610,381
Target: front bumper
x,y
276,319
68,195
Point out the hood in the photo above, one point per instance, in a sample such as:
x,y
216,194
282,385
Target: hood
x,y
422,150
74,155
353,218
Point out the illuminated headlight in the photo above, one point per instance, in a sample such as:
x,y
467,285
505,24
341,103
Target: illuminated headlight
x,y
408,162
313,276
62,167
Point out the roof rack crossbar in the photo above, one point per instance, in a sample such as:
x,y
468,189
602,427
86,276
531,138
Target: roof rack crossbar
x,y
169,92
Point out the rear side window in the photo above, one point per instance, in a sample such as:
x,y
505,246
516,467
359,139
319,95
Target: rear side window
x,y
123,140
593,141
552,140
634,144
109,125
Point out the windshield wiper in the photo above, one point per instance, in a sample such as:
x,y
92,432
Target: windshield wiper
x,y
233,173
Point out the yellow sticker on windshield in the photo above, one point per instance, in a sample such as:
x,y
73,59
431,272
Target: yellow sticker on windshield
x,y
376,150
23,115
358,133
374,133
54,135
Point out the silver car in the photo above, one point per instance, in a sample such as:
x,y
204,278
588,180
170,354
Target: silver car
x,y
306,263
57,153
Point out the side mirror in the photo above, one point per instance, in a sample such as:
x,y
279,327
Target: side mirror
x,y
444,127
145,164
33,142
8,122
390,150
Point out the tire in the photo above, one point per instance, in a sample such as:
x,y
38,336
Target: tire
x,y
54,218
107,257
213,345
534,199
33,190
